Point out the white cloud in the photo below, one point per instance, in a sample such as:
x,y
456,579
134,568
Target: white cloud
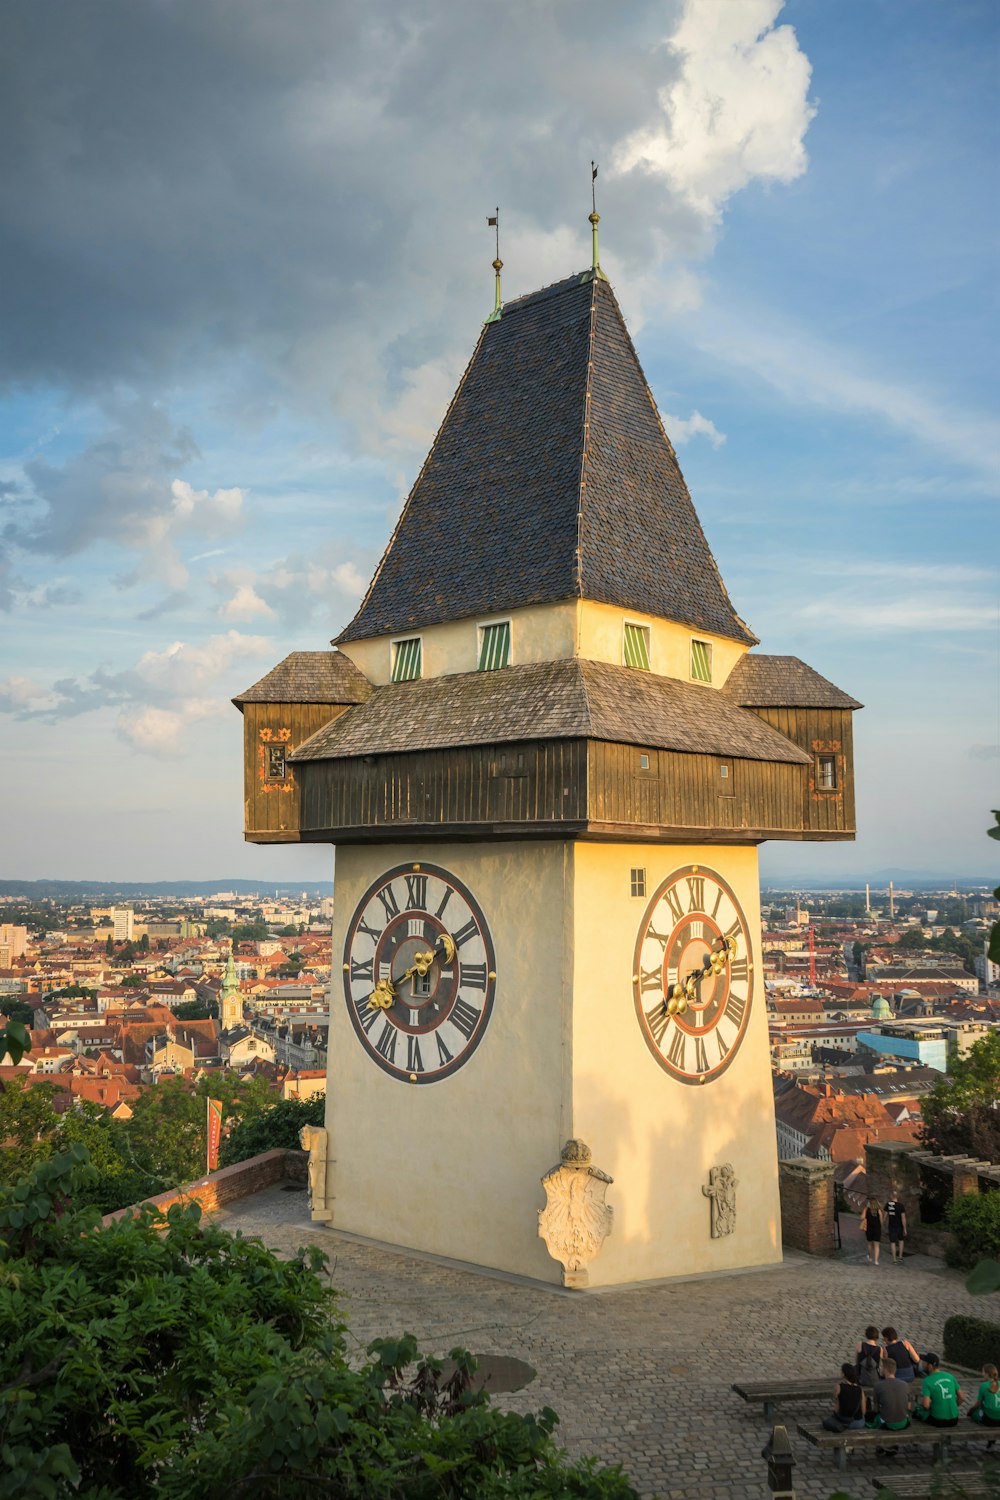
x,y
246,604
737,109
162,731
913,613
323,589
681,430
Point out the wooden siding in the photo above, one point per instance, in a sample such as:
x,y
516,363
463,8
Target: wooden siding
x,y
538,782
568,788
821,731
272,808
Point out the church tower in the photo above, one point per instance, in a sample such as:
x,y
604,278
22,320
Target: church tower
x,y
548,757
230,997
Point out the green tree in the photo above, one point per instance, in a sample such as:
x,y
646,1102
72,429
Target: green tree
x,y
273,1129
133,982
27,1126
109,945
167,1135
144,943
912,940
73,992
161,1355
250,932
960,1114
16,1009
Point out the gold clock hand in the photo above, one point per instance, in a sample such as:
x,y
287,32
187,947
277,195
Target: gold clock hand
x,y
384,993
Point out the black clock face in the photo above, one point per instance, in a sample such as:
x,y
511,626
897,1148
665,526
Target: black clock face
x,y
693,975
419,973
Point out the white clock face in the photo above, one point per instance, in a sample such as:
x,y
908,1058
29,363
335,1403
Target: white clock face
x,y
692,976
419,973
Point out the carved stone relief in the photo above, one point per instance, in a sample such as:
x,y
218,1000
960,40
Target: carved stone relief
x,y
575,1221
721,1190
315,1140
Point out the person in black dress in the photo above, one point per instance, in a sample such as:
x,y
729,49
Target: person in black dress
x,y
848,1402
871,1226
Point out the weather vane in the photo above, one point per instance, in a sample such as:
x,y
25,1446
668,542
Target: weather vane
x,y
493,222
595,219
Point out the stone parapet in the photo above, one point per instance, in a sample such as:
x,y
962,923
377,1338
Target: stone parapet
x,y
806,1188
229,1183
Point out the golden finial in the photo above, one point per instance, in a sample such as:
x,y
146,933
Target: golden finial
x,y
595,271
494,223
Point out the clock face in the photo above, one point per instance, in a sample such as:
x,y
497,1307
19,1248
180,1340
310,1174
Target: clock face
x,y
692,975
419,973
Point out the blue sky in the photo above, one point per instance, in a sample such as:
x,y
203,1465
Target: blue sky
x,y
247,260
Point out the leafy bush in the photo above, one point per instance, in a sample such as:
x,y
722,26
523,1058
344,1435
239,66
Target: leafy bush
x,y
162,1356
277,1129
971,1342
975,1222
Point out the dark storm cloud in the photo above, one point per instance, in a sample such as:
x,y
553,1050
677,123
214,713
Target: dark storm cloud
x,y
190,180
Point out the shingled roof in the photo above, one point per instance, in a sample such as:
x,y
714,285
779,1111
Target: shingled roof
x,y
782,682
571,699
551,478
310,677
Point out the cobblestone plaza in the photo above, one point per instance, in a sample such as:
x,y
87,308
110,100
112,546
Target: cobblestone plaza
x,y
641,1376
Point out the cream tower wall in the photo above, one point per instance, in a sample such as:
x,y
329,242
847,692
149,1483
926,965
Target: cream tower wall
x,y
454,1168
551,632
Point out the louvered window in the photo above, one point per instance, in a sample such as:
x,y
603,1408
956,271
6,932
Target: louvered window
x,y
406,660
827,769
701,661
494,646
637,647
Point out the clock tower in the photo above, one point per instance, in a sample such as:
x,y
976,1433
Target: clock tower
x,y
547,751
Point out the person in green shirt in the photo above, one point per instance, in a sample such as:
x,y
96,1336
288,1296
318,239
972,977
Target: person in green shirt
x,y
987,1407
940,1394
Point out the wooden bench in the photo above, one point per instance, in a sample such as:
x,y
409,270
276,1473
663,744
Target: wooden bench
x,y
772,1393
917,1435
923,1486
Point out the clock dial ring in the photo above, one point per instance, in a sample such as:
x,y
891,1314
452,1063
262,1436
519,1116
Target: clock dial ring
x,y
419,973
693,975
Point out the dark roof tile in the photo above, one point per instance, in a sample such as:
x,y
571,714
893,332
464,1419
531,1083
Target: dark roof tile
x,y
550,478
782,682
310,677
569,699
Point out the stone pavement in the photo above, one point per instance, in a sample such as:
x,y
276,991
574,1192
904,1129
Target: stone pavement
x,y
641,1377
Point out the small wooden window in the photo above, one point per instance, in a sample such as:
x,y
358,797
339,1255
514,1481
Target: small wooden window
x,y
494,646
636,646
826,773
724,773
407,660
637,881
276,768
701,661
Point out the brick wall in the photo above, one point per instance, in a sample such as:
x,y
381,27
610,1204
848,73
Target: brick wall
x,y
806,1188
230,1183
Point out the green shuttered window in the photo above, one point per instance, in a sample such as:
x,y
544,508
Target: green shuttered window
x,y
494,646
406,660
637,647
701,661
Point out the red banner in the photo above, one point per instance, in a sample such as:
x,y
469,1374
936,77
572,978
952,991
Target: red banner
x,y
214,1132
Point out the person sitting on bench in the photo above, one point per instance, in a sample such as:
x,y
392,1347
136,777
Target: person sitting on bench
x,y
848,1402
940,1394
868,1357
902,1352
987,1407
890,1400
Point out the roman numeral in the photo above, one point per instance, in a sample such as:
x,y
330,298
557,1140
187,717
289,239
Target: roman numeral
x,y
373,932
416,892
649,979
735,1008
658,937
700,1055
677,1049
444,902
739,969
387,896
414,1062
696,892
473,976
723,1049
464,1017
733,930
414,927
697,930
444,1056
362,970
718,902
672,899
386,1043
465,933
656,1020
365,1016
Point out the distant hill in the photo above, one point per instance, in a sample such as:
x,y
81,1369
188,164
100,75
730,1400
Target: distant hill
x,y
90,890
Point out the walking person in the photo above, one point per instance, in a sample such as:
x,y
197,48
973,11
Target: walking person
x,y
895,1221
871,1227
848,1402
903,1354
